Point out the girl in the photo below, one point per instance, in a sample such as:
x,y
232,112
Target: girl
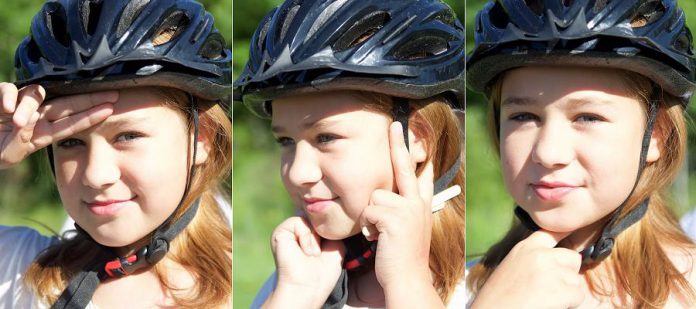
x,y
127,97
587,149
333,76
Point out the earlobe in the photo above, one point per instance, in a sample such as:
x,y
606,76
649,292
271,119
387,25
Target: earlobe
x,y
655,147
417,148
202,150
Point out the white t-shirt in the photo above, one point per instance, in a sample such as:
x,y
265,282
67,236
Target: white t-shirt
x,y
458,299
19,246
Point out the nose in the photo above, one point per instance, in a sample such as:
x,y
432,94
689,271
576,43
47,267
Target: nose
x,y
302,167
553,147
101,169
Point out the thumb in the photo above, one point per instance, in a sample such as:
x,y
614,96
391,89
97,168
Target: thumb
x,y
545,239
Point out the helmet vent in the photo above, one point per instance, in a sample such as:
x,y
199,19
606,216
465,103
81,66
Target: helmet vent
x,y
262,35
444,16
647,13
324,16
421,47
90,11
56,23
683,43
536,6
567,3
33,51
130,13
599,5
499,18
213,48
171,27
288,20
362,30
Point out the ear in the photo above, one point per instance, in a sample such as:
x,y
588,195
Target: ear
x,y
655,147
418,149
202,149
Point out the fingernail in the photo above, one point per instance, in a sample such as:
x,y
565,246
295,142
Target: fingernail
x,y
366,231
37,92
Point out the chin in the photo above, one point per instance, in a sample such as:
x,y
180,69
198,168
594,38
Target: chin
x,y
556,222
115,240
334,232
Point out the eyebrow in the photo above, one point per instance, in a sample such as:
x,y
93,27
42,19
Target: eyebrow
x,y
574,102
518,101
123,122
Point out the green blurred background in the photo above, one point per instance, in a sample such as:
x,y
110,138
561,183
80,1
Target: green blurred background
x,y
489,207
260,201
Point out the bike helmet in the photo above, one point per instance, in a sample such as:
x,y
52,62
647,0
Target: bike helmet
x,y
648,37
407,49
78,46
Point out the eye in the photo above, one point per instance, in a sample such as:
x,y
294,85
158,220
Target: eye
x,y
523,117
128,136
284,141
70,143
589,118
326,138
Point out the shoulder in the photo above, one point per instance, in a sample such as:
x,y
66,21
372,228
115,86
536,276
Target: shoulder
x,y
19,246
22,243
265,291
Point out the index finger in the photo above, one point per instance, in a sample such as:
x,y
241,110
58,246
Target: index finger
x,y
545,239
404,172
62,107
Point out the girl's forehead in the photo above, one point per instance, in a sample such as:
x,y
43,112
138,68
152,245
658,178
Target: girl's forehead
x,y
555,82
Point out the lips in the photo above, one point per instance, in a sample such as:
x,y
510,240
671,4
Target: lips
x,y
107,207
317,205
552,191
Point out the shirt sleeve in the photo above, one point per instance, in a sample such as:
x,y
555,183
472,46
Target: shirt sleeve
x,y
265,291
19,246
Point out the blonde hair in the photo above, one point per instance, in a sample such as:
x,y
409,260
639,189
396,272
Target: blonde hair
x,y
204,247
434,120
641,247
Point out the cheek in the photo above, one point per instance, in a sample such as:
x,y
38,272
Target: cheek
x,y
604,162
513,155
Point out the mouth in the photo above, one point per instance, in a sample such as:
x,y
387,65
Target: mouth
x,y
317,205
107,207
552,191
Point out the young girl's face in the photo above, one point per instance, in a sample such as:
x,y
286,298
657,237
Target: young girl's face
x,y
122,178
334,155
570,142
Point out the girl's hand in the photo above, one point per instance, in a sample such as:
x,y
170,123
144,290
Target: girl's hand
x,y
535,274
27,126
308,267
402,225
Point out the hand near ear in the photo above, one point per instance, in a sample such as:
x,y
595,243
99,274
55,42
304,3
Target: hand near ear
x,y
401,223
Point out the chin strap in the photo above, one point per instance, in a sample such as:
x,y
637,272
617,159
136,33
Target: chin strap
x,y
601,248
82,286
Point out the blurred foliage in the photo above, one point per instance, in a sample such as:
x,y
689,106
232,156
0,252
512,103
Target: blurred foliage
x,y
260,201
489,207
28,195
